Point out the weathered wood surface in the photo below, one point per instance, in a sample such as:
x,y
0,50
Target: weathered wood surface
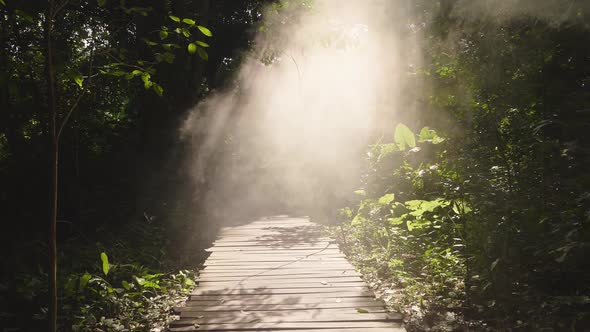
x,y
281,274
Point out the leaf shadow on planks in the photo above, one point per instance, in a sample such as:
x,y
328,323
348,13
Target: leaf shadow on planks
x,y
270,236
238,308
288,237
237,305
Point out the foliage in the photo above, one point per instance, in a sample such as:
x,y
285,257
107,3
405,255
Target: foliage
x,y
405,229
490,223
131,297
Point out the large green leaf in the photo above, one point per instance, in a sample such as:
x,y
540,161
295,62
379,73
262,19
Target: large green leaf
x,y
396,221
158,89
417,224
84,279
105,263
79,79
404,137
386,199
192,48
205,31
429,135
188,21
202,54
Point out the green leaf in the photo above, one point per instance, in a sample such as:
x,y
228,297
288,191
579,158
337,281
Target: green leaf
x,y
158,89
429,135
202,44
494,264
192,48
404,137
149,284
186,33
203,54
386,199
362,310
205,31
79,80
163,34
101,3
126,285
105,263
84,280
146,78
188,21
2,2
417,224
174,18
357,220
386,150
396,221
23,15
361,192
189,282
166,56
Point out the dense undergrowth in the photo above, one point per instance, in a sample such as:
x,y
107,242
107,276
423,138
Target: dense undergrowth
x,y
125,282
488,225
416,233
407,233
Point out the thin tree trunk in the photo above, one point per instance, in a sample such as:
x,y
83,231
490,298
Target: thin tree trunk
x,y
54,150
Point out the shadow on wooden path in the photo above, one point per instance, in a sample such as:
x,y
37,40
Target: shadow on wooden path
x,y
281,274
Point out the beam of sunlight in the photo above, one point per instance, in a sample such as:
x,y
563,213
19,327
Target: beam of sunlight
x,y
303,109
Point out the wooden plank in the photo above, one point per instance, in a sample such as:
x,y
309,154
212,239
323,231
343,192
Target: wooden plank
x,y
283,286
279,274
282,304
367,329
269,249
251,260
285,252
338,307
256,245
263,297
283,325
287,280
318,315
263,290
278,264
299,265
275,300
274,244
220,270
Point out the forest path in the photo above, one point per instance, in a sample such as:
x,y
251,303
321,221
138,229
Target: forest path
x,y
281,274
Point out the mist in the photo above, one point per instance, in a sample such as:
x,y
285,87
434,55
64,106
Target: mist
x,y
295,125
555,12
321,83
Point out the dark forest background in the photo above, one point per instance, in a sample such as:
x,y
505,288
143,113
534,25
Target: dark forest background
x,y
482,219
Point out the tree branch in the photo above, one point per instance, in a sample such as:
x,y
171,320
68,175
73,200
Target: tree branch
x,y
65,120
73,108
59,8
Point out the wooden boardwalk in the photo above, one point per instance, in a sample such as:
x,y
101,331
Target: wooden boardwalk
x,y
281,274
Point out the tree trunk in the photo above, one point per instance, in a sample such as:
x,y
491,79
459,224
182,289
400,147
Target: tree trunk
x,y
54,150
